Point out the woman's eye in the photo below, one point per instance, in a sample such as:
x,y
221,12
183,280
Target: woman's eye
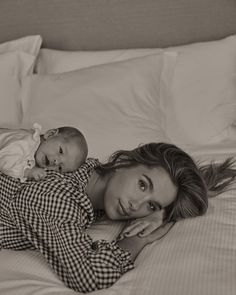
x,y
60,150
142,185
152,206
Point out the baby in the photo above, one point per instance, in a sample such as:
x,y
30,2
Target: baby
x,y
25,154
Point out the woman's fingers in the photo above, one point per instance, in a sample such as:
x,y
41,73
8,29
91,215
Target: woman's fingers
x,y
148,230
132,226
131,230
140,228
143,226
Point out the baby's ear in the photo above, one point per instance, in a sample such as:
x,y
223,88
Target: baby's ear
x,y
51,133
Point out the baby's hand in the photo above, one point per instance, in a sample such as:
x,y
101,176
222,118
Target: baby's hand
x,y
143,226
36,173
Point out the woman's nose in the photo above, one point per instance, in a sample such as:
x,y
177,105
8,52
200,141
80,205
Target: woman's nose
x,y
135,204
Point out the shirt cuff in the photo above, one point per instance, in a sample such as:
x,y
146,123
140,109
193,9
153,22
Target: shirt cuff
x,y
122,257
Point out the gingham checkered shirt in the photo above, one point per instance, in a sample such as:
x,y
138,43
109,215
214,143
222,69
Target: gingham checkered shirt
x,y
51,216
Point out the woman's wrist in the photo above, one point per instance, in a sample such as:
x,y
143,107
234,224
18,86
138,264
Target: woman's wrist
x,y
133,244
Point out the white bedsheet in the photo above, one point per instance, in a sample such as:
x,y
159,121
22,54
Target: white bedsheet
x,y
197,257
212,152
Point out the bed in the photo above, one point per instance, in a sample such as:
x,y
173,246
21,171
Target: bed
x,y
129,72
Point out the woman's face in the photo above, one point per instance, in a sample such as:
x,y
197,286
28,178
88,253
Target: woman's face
x,y
137,192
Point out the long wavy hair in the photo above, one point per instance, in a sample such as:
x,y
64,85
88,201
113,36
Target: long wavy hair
x,y
195,183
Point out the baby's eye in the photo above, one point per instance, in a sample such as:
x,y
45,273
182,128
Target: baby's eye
x,y
152,206
142,185
60,150
59,168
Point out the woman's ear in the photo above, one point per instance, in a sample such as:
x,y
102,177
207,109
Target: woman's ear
x,y
50,133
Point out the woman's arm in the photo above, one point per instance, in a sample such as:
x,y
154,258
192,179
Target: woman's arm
x,y
135,244
53,216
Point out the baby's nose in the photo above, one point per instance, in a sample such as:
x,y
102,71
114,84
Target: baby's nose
x,y
55,162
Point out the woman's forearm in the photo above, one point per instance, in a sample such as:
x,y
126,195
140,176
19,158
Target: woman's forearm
x,y
133,244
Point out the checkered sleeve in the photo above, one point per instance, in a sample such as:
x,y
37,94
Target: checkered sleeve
x,y
53,216
91,265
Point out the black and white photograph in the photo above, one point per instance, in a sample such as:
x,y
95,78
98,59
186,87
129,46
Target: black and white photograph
x,y
118,147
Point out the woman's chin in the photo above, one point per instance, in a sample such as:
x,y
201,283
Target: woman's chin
x,y
113,214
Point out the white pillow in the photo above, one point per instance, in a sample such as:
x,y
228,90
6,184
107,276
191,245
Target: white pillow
x,y
115,105
201,107
28,44
17,60
13,66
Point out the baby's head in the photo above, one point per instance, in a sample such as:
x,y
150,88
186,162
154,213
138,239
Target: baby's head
x,y
62,149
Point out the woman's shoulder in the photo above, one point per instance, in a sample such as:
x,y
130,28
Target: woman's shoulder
x,y
87,168
91,163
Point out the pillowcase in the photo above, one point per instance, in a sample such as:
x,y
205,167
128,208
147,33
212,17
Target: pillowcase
x,y
17,59
28,44
201,107
13,66
115,105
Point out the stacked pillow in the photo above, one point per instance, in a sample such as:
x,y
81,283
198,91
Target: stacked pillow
x,y
199,104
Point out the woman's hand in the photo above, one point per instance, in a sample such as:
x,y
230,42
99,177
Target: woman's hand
x,y
143,226
135,244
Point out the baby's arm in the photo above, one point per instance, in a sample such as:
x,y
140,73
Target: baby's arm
x,y
36,173
144,226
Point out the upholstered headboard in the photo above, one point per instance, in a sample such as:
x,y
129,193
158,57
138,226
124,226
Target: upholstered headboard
x,y
110,24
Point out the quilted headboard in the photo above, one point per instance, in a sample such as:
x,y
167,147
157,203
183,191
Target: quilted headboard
x,y
109,24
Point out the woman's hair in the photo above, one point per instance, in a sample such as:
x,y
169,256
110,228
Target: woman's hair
x,y
195,183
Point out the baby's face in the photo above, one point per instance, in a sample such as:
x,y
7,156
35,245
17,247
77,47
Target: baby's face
x,y
59,154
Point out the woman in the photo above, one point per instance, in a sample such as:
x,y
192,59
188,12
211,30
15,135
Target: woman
x,y
52,215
